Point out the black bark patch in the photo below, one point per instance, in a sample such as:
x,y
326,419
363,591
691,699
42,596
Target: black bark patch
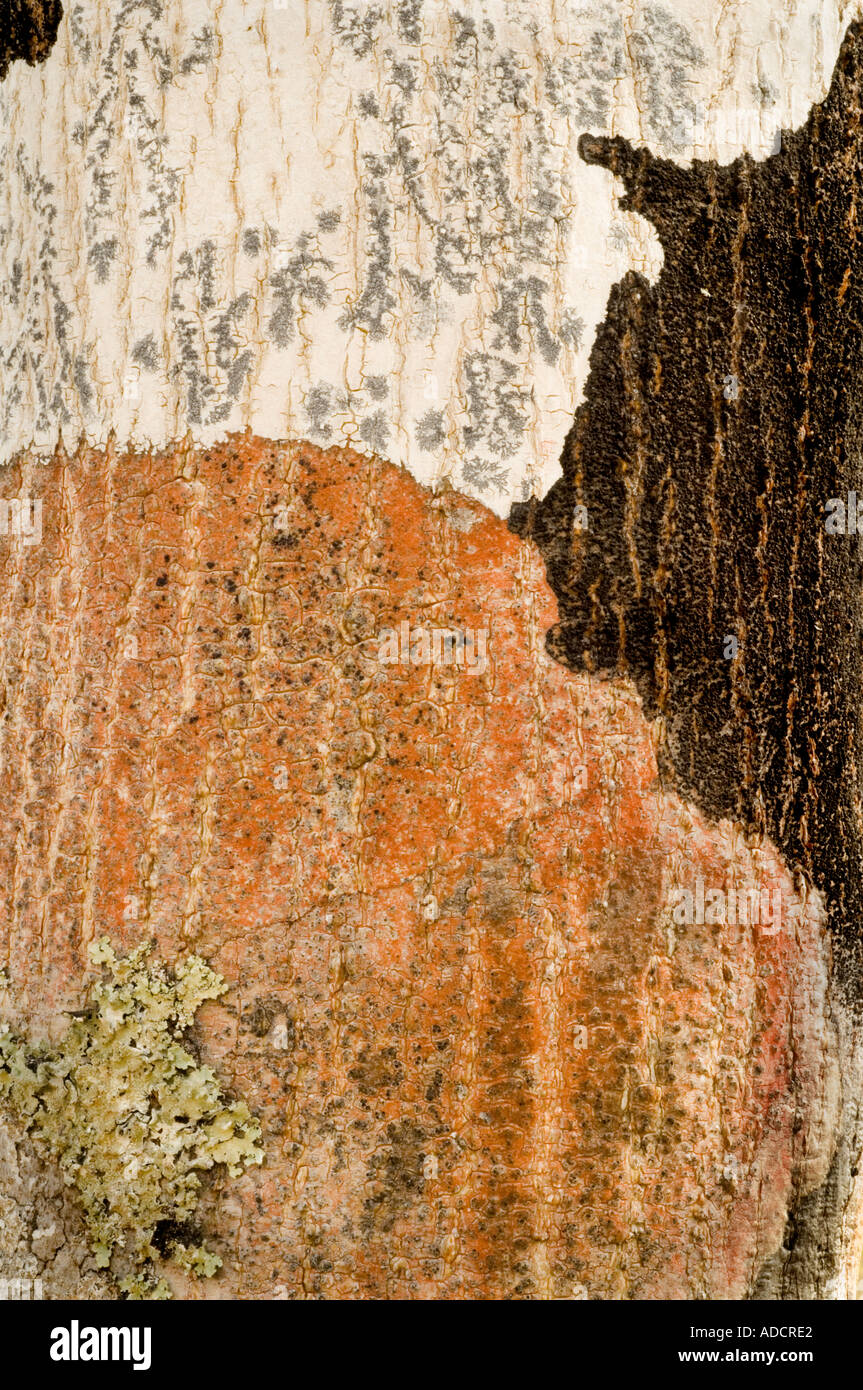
x,y
28,30
722,413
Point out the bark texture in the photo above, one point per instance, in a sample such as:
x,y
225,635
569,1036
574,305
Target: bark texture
x,y
488,1062
510,1029
28,30
421,273
723,413
719,443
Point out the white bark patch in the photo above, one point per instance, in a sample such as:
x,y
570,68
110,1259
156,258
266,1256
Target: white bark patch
x,y
358,223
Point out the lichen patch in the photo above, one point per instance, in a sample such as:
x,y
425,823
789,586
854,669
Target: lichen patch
x,y
131,1117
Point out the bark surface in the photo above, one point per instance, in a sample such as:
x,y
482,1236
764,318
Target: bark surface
x,y
488,1061
28,30
718,460
503,988
723,414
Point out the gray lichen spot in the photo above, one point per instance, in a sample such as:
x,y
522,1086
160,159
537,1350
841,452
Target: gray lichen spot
x,y
367,104
318,408
298,285
664,57
377,387
329,220
520,302
355,29
81,378
137,60
146,354
130,1116
765,92
375,431
80,37
324,400
497,404
203,51
251,241
405,74
409,20
619,236
429,432
233,362
100,256
377,303
205,257
571,328
483,474
212,358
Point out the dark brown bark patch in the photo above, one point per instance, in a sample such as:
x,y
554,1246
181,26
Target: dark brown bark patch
x,y
28,30
722,413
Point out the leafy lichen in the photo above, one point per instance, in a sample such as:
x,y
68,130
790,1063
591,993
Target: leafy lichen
x,y
130,1115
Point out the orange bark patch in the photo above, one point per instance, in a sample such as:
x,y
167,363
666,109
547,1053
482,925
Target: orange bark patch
x,y
487,1061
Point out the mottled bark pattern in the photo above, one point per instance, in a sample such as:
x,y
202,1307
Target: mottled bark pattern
x,y
487,1062
722,412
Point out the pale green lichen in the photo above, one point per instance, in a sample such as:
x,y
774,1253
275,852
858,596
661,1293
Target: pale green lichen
x,y
129,1114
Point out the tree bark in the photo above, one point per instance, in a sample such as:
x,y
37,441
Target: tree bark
x,y
538,908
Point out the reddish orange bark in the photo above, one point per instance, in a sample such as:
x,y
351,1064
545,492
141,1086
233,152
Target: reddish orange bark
x,y
487,1062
